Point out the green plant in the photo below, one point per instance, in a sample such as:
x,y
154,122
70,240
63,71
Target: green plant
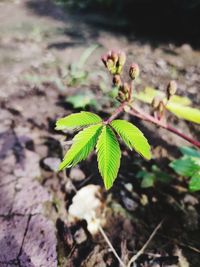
x,y
188,166
103,134
149,178
76,74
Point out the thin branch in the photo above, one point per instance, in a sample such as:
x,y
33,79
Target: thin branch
x,y
116,113
111,246
141,251
144,116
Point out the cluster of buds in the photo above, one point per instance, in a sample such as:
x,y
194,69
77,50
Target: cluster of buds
x,y
171,89
114,61
124,92
159,104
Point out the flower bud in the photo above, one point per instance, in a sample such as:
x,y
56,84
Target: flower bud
x,y
109,54
125,88
111,66
134,71
114,56
122,58
117,80
121,97
161,108
104,60
171,89
156,102
114,61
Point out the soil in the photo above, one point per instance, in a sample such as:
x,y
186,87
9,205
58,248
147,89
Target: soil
x,y
38,41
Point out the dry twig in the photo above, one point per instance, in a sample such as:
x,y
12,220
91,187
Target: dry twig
x,y
141,251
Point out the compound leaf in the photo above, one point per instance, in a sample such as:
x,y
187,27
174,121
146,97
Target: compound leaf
x,y
132,137
108,156
77,120
83,144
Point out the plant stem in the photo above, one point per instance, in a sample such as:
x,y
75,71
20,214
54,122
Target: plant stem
x,y
144,116
116,113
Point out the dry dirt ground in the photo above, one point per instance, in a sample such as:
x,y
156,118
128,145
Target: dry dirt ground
x,y
37,41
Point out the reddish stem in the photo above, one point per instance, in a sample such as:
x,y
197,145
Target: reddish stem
x,y
116,113
192,141
144,116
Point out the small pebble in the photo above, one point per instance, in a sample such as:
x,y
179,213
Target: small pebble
x,y
52,163
77,174
80,236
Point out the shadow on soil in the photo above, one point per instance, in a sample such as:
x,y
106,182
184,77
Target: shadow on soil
x,y
150,22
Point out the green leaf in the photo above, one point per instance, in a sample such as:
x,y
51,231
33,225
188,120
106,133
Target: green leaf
x,y
85,56
149,93
132,137
108,156
77,120
181,100
185,150
177,104
187,113
185,166
194,184
82,100
83,144
76,77
148,178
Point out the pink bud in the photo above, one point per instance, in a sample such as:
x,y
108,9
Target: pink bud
x,y
122,58
104,60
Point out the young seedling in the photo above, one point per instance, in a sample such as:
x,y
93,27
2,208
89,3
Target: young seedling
x,y
188,166
103,135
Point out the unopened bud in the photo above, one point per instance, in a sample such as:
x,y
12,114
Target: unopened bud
x,y
134,71
122,58
171,89
121,97
117,80
156,102
161,108
109,54
110,65
104,60
125,88
114,56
